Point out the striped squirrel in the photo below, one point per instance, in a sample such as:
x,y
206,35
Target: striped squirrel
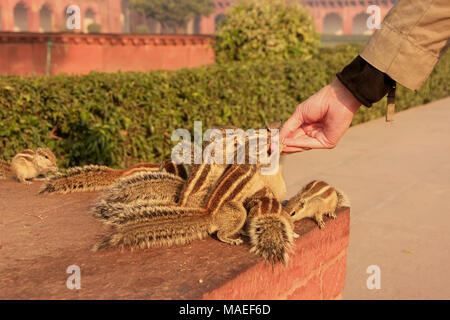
x,y
212,200
91,178
200,181
204,176
28,164
315,200
143,224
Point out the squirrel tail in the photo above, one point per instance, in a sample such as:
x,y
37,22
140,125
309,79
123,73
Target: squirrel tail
x,y
271,236
343,200
5,169
90,178
153,186
143,225
81,179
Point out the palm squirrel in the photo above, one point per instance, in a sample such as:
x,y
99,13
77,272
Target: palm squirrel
x,y
145,224
315,200
91,178
28,164
204,177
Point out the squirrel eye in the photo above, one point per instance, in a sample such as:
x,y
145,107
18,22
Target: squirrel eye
x,y
46,157
292,213
258,229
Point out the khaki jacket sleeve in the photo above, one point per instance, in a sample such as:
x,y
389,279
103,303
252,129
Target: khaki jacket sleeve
x,y
412,38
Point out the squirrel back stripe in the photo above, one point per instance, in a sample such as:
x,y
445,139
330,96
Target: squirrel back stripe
x,y
191,181
231,184
201,182
27,152
176,169
200,179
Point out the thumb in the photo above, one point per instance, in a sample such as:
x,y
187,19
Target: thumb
x,y
304,142
291,124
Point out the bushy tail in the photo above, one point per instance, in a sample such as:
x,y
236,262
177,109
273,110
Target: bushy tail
x,y
157,186
141,225
140,212
5,169
271,236
81,179
343,200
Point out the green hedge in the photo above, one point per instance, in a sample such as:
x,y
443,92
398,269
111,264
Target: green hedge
x,y
122,118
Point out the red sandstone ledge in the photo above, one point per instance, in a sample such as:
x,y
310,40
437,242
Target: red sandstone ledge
x,y
105,38
42,235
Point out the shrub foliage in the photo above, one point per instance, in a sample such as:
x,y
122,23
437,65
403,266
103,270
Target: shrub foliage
x,y
266,29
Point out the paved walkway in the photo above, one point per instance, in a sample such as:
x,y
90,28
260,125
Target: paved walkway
x,y
397,176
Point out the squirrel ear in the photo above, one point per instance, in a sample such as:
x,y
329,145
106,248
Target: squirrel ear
x,y
273,125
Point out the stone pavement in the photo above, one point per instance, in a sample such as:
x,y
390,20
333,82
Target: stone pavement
x,y
397,176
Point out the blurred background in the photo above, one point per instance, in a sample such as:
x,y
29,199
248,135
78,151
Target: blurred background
x,y
332,17
338,21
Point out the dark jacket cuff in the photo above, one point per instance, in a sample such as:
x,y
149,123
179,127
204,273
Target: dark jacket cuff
x,y
366,83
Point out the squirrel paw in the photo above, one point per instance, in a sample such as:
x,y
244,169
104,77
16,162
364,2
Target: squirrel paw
x,y
321,224
332,215
236,241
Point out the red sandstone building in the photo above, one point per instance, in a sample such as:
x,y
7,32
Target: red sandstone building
x,y
331,16
33,41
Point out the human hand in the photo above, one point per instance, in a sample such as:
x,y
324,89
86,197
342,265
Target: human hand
x,y
321,120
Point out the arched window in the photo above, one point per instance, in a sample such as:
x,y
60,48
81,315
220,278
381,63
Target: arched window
x,y
20,17
332,24
45,19
89,18
359,24
197,22
125,17
218,20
